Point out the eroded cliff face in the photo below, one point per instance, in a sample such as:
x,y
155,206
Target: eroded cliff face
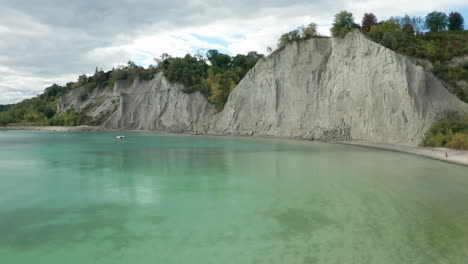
x,y
160,105
337,89
318,89
144,105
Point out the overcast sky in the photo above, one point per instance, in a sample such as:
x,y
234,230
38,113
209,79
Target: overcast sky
x,y
53,41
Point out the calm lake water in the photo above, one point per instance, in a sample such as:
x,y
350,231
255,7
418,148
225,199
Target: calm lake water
x,y
86,197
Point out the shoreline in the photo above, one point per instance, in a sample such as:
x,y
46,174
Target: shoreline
x,y
55,128
459,157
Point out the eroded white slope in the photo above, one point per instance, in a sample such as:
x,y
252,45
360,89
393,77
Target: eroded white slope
x,y
320,89
337,89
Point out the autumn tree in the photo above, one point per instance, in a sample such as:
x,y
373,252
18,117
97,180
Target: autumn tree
x,y
368,21
387,32
221,85
455,21
436,21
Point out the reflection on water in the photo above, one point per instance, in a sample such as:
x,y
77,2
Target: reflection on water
x,y
89,198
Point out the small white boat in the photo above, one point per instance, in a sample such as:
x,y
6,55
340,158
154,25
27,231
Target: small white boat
x,y
120,137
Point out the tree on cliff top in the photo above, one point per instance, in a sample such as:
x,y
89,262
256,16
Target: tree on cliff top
x,y
455,21
310,31
368,21
343,23
291,36
302,32
436,21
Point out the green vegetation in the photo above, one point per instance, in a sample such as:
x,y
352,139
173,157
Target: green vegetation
x,y
41,110
433,46
37,110
451,132
453,75
436,21
404,35
190,71
130,72
343,23
455,21
101,79
300,33
214,76
69,118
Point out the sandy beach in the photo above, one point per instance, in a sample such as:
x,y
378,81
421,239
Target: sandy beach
x,y
453,156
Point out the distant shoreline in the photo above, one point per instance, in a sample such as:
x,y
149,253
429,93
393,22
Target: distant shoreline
x,y
459,157
54,128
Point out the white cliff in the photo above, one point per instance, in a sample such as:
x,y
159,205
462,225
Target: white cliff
x,y
318,89
144,105
337,89
161,105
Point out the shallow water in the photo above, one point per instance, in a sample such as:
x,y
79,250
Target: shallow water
x,y
86,197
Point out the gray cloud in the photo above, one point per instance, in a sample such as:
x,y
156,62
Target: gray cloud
x,y
50,39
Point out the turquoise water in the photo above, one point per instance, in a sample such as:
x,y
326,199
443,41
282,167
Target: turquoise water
x,y
86,197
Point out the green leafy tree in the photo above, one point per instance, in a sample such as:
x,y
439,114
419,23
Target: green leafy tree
x,y
455,21
310,31
5,118
295,35
389,26
218,60
284,39
291,36
69,118
215,79
49,112
342,24
302,32
408,29
189,71
436,21
82,78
